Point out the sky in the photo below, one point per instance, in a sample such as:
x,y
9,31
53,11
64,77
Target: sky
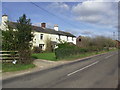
x,y
87,18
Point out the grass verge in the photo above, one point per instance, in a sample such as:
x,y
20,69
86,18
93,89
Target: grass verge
x,y
46,56
73,57
51,56
9,67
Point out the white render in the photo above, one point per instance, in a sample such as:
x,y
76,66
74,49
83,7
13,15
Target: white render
x,y
3,24
56,27
53,37
37,40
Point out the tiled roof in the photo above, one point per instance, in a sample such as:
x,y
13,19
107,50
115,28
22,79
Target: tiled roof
x,y
46,30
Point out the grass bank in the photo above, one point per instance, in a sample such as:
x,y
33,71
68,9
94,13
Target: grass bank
x,y
52,57
9,67
46,56
73,57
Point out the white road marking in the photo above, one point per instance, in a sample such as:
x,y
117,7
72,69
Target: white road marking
x,y
108,56
82,68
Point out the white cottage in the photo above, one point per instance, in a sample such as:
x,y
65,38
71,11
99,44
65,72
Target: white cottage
x,y
42,33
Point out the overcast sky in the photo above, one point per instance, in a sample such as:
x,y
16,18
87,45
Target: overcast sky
x,y
87,18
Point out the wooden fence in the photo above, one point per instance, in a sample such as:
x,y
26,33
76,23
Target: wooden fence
x,y
8,56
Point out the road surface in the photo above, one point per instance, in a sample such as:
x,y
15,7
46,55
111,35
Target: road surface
x,y
96,72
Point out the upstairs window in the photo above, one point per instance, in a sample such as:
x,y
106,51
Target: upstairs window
x,y
41,36
79,40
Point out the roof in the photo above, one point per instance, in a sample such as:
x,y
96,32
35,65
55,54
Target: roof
x,y
4,15
46,30
118,41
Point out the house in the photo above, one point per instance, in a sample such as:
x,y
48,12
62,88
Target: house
x,y
42,33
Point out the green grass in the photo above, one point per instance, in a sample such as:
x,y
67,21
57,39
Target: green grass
x,y
51,56
9,67
46,56
73,57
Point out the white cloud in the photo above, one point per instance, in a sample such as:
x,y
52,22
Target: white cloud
x,y
91,32
87,32
59,6
101,13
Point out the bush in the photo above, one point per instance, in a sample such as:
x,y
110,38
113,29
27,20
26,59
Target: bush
x,y
49,45
95,44
66,45
37,50
68,49
66,52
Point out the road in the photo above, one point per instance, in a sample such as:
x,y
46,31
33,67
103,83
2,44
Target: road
x,y
96,72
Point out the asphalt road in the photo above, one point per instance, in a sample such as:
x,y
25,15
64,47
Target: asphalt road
x,y
96,72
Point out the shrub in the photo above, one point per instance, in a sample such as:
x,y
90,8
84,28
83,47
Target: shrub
x,y
49,45
37,50
88,44
66,45
66,52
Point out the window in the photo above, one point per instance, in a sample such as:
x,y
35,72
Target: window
x,y
41,46
41,36
79,40
59,37
72,39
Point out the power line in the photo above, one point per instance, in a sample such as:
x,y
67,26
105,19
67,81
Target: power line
x,y
10,18
54,15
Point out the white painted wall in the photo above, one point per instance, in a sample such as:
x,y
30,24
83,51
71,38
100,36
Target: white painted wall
x,y
3,24
56,28
53,37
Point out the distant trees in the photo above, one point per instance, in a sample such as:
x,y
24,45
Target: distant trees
x,y
102,41
99,42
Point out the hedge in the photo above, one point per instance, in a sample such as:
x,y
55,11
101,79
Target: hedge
x,y
67,49
65,52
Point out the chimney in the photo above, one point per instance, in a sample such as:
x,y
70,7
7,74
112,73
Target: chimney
x,y
4,18
43,25
56,27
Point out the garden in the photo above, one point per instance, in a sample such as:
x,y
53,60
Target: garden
x,y
68,51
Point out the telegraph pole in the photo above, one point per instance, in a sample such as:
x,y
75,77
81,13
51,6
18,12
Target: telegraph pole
x,y
114,35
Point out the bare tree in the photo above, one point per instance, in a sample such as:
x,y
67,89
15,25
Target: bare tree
x,y
49,46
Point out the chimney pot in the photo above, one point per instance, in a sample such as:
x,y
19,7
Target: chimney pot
x,y
56,27
4,18
43,25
